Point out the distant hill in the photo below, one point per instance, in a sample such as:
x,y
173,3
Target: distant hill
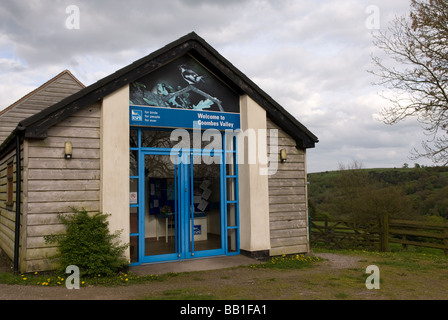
x,y
425,189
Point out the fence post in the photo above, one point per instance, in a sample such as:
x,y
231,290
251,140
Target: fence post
x,y
384,232
404,245
309,226
445,240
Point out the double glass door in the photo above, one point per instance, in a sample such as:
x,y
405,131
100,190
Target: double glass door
x,y
180,215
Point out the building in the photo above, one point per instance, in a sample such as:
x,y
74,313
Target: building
x,y
186,154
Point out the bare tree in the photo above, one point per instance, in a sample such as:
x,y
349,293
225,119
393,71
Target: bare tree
x,y
417,73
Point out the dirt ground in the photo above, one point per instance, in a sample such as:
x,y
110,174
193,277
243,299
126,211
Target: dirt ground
x,y
231,278
337,277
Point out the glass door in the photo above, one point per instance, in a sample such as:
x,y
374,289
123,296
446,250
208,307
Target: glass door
x,y
160,209
181,214
206,227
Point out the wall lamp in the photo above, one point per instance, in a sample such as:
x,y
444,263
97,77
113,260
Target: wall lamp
x,y
68,148
283,156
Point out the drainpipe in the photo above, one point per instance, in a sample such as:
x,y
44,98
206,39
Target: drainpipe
x,y
18,203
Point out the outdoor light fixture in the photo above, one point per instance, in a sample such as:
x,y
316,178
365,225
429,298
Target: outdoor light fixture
x,y
283,155
68,150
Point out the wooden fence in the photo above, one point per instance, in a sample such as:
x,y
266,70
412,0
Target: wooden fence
x,y
344,234
419,234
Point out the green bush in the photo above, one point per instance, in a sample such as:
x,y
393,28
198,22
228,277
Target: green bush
x,y
88,244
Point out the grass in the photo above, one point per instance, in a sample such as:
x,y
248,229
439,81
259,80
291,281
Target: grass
x,y
341,295
127,278
298,261
182,294
404,274
413,274
55,279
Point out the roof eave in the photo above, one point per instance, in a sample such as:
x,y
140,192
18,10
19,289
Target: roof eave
x,y
36,126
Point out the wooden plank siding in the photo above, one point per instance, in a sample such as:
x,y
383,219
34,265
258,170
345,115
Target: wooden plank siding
x,y
288,215
7,211
53,91
54,184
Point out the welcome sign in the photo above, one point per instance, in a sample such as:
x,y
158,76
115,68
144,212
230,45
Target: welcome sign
x,y
180,118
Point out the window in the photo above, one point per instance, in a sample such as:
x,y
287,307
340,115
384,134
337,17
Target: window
x,y
10,184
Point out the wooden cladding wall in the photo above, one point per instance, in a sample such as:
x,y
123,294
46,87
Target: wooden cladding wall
x,y
50,93
7,210
54,184
288,199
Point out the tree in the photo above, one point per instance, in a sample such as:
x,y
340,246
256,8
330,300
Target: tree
x,y
418,47
362,197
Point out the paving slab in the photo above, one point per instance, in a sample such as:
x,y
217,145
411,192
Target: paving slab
x,y
193,265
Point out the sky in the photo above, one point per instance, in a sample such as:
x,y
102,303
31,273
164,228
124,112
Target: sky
x,y
310,56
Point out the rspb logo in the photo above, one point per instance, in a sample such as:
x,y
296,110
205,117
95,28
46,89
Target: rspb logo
x,y
136,115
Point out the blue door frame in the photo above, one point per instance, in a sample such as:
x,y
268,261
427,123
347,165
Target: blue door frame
x,y
183,176
184,212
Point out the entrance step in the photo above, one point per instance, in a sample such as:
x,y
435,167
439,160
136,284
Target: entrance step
x,y
193,265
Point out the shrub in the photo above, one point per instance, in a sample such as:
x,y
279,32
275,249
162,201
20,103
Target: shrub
x,y
88,244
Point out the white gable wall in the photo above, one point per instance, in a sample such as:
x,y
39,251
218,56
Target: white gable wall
x,y
115,161
253,186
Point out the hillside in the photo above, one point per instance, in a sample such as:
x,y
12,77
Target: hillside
x,y
410,192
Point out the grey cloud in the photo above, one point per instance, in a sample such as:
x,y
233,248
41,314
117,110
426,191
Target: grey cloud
x,y
40,35
310,56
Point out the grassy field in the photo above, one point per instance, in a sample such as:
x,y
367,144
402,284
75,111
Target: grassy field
x,y
418,274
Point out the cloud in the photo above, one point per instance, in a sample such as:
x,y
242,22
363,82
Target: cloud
x,y
310,56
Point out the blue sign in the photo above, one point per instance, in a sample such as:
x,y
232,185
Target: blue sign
x,y
182,118
197,230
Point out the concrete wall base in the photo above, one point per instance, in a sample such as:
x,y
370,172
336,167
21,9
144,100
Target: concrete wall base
x,y
258,255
